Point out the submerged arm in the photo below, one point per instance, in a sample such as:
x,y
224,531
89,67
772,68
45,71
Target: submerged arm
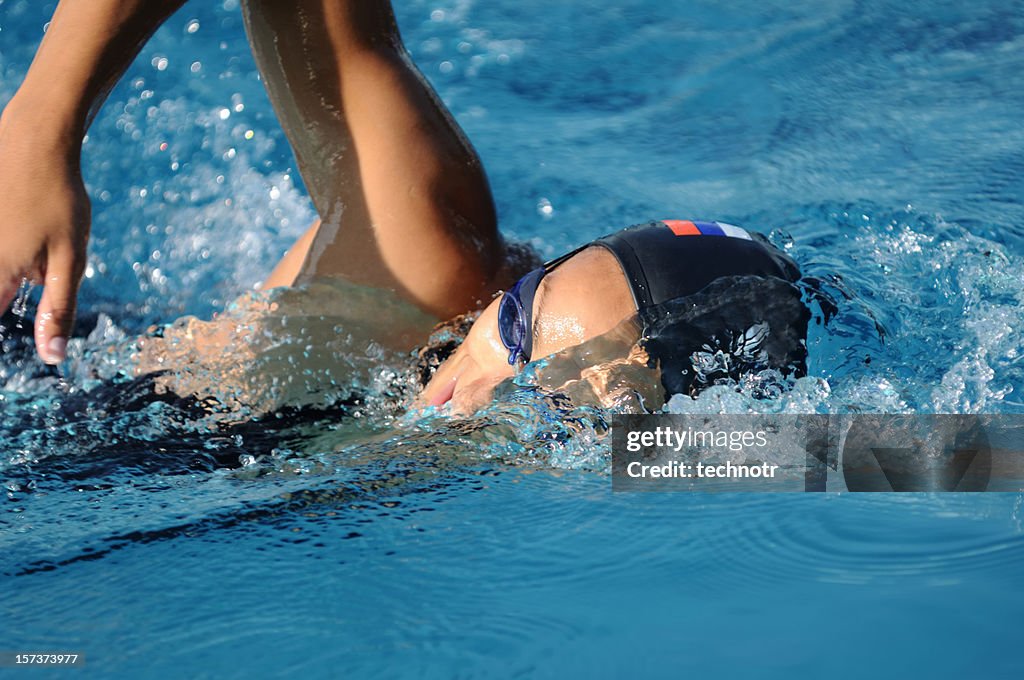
x,y
44,224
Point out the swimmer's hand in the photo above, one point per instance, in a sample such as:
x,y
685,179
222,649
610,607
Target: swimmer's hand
x,y
44,222
44,210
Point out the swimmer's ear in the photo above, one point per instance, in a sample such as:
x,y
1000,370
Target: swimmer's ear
x,y
56,312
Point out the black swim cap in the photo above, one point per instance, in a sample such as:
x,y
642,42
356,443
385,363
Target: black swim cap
x,y
715,301
668,259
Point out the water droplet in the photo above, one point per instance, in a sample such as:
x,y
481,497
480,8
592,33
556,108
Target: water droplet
x,y
544,208
20,304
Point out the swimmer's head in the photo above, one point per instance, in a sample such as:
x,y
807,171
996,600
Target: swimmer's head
x,y
585,296
588,292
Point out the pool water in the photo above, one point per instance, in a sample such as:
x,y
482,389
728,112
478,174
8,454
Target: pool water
x,y
335,535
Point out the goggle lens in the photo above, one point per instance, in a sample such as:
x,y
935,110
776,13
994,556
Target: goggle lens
x,y
511,324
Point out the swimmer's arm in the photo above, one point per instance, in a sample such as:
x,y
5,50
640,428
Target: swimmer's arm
x,y
44,224
83,54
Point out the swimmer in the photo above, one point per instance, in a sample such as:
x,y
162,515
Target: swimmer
x,y
687,281
402,197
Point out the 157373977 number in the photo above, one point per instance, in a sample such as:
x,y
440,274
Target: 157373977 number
x,y
11,659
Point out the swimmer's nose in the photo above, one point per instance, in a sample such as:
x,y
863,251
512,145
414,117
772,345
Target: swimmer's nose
x,y
445,394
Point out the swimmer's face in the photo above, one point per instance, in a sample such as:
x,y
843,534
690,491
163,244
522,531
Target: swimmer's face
x,y
582,298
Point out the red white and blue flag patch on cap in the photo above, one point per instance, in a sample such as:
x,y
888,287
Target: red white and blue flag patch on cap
x,y
697,228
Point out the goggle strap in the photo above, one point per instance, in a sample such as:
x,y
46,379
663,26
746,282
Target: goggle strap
x,y
527,291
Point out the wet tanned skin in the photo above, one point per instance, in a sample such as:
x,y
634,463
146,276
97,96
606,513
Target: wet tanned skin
x,y
585,297
403,200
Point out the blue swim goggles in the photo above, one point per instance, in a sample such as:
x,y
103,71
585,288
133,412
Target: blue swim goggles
x,y
515,311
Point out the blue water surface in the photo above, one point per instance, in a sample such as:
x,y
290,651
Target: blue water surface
x,y
878,142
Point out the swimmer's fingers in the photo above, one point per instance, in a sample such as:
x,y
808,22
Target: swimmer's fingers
x,y
56,312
